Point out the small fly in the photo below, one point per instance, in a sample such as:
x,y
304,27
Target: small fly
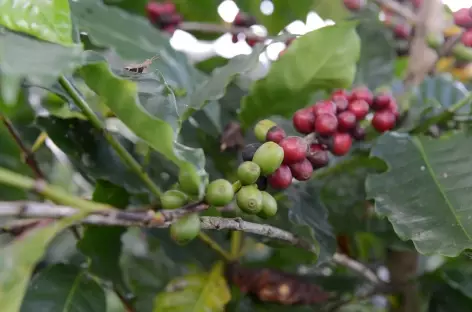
x,y
141,68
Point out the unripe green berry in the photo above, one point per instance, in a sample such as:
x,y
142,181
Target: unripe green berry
x,y
173,199
185,229
249,199
269,206
219,193
248,172
269,157
261,129
188,183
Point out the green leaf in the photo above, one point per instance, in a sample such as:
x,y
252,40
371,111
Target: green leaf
x,y
39,62
64,288
103,244
293,79
447,299
205,292
17,261
377,61
425,192
284,13
457,274
333,10
45,19
201,11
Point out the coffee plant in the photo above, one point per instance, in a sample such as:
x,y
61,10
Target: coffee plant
x,y
252,167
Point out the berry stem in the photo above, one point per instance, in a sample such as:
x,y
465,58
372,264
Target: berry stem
x,y
237,186
97,123
214,245
236,239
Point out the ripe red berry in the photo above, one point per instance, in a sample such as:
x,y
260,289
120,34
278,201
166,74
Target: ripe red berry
x,y
393,107
251,42
169,29
383,120
362,93
341,143
360,108
358,133
304,120
276,134
317,156
462,18
346,121
155,10
295,149
402,31
382,101
341,92
326,124
467,38
302,170
281,178
417,3
324,107
354,5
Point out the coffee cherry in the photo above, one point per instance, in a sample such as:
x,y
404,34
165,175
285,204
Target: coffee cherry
x,y
304,120
234,38
354,5
188,183
462,18
261,129
269,206
156,10
326,124
417,3
340,92
281,178
402,31
302,170
248,172
219,193
341,102
276,134
269,157
317,156
467,38
383,120
262,183
185,229
358,133
346,121
382,101
323,107
360,108
249,199
294,149
249,150
341,144
362,93
393,107
173,199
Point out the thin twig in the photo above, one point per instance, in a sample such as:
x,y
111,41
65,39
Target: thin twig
x,y
29,158
357,267
399,9
215,246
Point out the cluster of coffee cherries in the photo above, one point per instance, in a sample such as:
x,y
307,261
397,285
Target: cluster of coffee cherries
x,y
328,125
244,20
164,16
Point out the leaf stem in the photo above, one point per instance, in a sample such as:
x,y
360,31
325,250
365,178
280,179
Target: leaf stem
x,y
39,141
236,238
120,150
214,245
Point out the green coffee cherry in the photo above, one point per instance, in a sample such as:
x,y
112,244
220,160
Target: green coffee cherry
x,y
269,206
269,157
249,199
185,229
173,199
219,193
188,183
248,172
261,129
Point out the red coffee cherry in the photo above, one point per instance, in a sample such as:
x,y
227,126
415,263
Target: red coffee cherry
x,y
346,121
467,38
382,101
354,5
462,18
340,92
302,170
304,120
276,134
360,108
295,149
341,143
358,133
362,93
324,107
317,156
393,107
383,120
326,124
341,102
281,178
402,31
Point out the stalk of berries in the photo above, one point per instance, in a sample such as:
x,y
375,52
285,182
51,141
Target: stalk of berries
x,y
244,20
164,16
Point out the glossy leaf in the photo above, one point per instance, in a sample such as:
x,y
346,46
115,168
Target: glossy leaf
x,y
293,79
458,275
17,261
425,192
39,61
333,10
45,19
205,292
64,288
102,245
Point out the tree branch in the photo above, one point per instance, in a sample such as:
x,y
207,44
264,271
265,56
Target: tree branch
x,y
357,267
399,9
